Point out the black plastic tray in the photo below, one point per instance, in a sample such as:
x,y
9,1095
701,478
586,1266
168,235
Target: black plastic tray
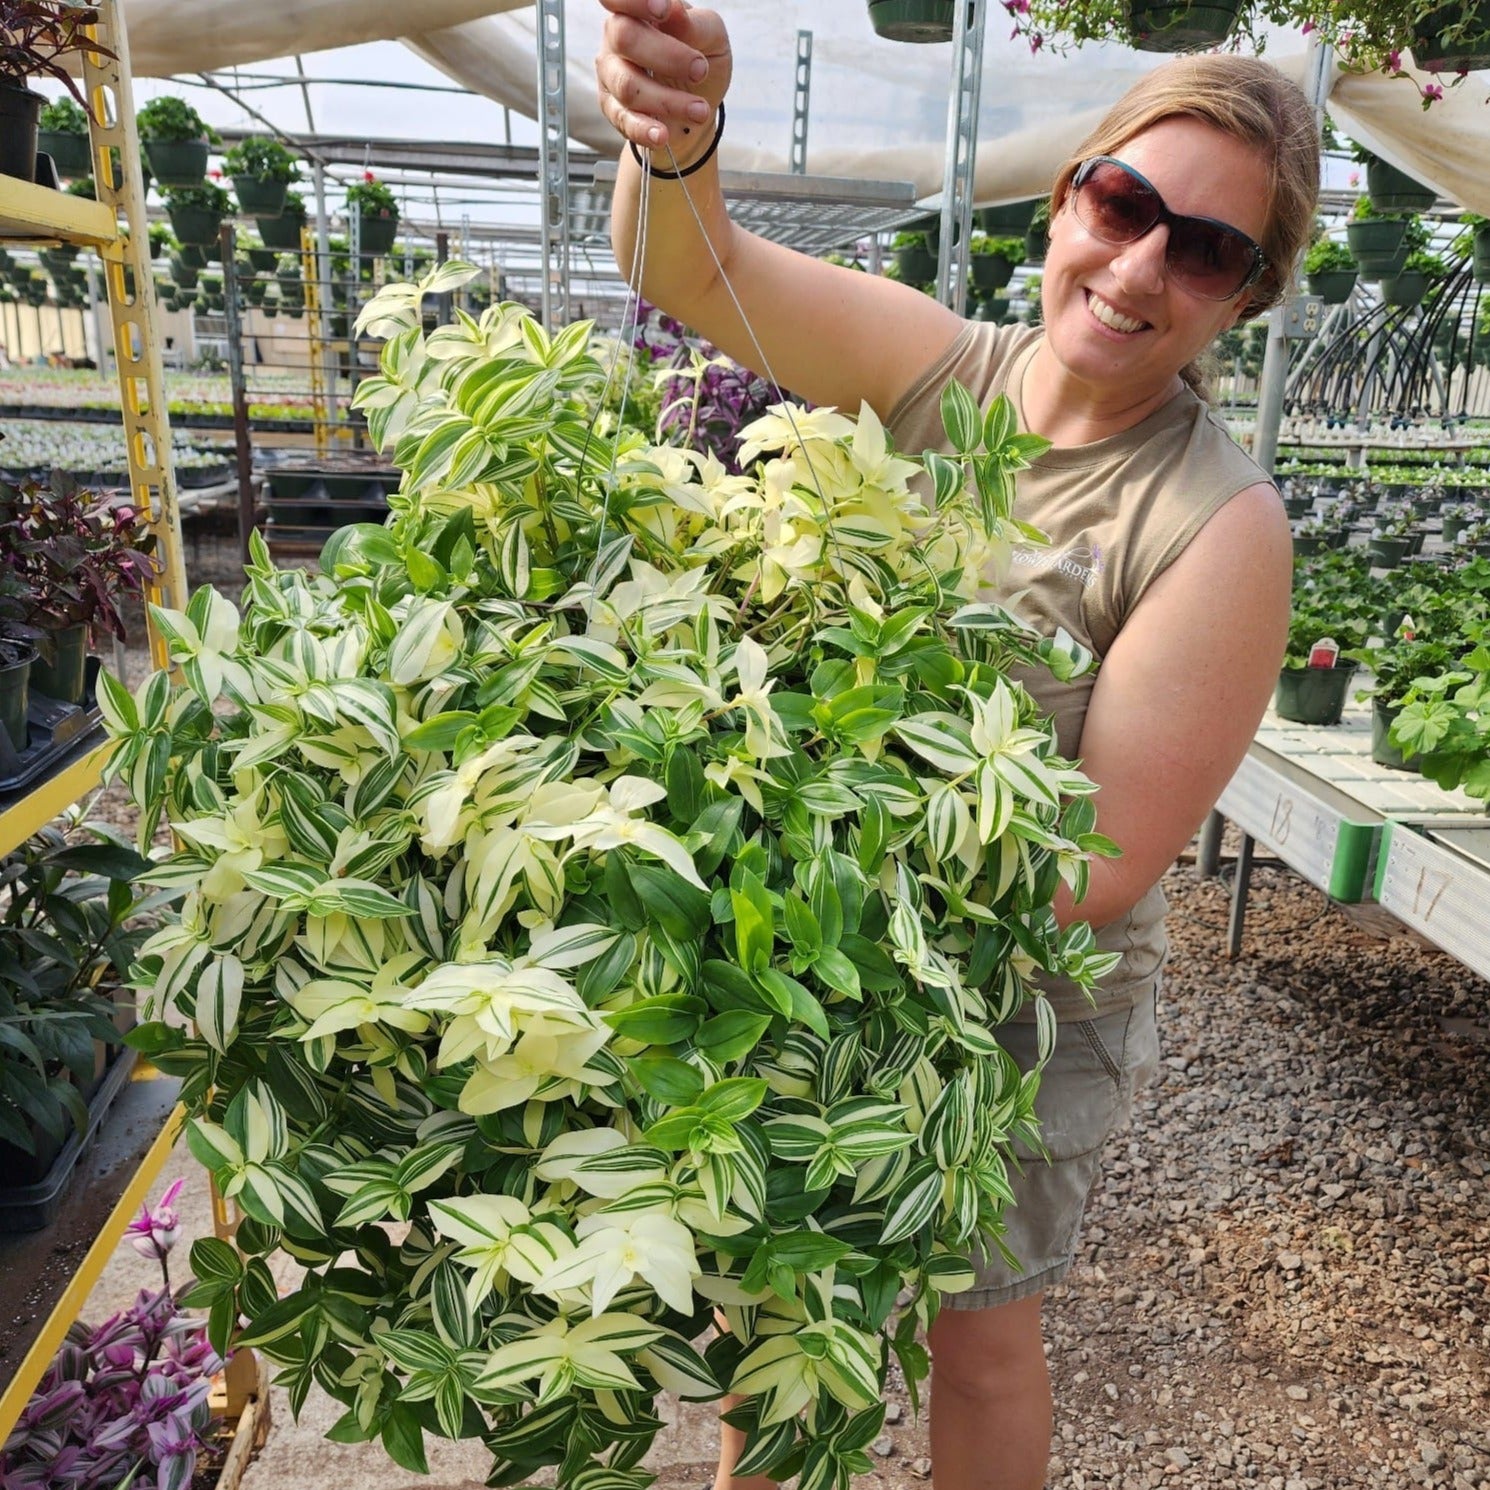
x,y
31,1207
54,732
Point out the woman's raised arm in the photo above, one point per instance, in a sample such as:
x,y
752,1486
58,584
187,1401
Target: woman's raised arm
x,y
831,335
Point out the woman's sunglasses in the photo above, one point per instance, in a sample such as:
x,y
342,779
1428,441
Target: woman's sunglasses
x,y
1208,258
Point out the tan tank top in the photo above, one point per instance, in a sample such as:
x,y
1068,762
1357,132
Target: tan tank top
x,y
1118,512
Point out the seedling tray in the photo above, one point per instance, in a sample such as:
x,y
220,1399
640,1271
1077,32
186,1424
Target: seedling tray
x,y
54,732
31,1207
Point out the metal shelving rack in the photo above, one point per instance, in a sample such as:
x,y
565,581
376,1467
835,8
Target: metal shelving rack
x,y
38,215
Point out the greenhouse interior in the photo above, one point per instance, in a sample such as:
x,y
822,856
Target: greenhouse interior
x,y
592,893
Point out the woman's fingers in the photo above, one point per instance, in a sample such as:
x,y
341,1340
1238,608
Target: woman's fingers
x,y
660,76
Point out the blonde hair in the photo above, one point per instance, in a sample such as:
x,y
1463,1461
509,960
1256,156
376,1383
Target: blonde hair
x,y
1252,101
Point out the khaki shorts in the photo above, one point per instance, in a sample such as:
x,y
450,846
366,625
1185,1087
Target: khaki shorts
x,y
1086,1093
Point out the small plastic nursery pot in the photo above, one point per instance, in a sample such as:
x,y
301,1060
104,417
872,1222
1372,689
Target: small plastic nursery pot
x,y
1383,752
1180,25
65,676
1313,695
20,108
1387,553
1306,548
15,687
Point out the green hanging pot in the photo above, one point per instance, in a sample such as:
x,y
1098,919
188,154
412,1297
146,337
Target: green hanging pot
x,y
282,234
1404,289
912,20
1392,190
260,198
178,162
1468,52
263,260
377,234
195,225
990,272
1481,259
1008,219
1180,25
71,154
916,265
1333,286
1375,238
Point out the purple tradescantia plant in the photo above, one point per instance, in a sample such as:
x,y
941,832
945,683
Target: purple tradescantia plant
x,y
707,398
125,1402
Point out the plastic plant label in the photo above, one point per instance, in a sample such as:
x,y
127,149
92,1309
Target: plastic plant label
x,y
1324,653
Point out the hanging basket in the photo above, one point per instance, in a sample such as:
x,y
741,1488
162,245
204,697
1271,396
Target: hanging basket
x,y
263,260
1392,190
377,234
70,153
1036,242
991,272
184,274
1469,52
1333,286
282,233
1376,238
1406,288
1008,219
260,198
1480,263
1313,695
916,265
177,162
198,226
912,20
1180,25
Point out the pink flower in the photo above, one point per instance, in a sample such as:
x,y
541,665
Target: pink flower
x,y
1432,92
368,176
1308,27
1036,42
1394,60
215,173
153,1232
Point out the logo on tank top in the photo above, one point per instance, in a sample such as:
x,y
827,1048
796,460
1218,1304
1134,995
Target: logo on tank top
x,y
1079,561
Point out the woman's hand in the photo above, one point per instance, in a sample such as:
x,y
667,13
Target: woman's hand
x,y
663,69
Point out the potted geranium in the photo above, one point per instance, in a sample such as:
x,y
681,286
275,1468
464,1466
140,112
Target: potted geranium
x,y
1314,680
1457,516
1443,720
1330,269
36,38
376,209
622,901
80,555
63,134
282,234
262,172
177,141
1391,534
197,212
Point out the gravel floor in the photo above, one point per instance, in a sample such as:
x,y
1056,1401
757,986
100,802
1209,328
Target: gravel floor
x,y
1285,1280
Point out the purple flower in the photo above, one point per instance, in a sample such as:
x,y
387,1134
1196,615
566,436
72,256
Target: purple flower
x,y
153,1232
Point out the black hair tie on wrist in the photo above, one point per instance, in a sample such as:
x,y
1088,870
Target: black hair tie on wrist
x,y
698,165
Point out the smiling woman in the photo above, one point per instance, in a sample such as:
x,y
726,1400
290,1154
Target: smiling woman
x,y
1181,214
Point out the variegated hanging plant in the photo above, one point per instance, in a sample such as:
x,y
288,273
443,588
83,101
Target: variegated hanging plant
x,y
600,887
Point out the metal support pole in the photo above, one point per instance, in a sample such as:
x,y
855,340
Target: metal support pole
x,y
801,102
962,147
242,439
95,317
553,163
1239,898
323,278
1275,360
1208,851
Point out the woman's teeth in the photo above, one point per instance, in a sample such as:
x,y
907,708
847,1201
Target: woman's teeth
x,y
1109,317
